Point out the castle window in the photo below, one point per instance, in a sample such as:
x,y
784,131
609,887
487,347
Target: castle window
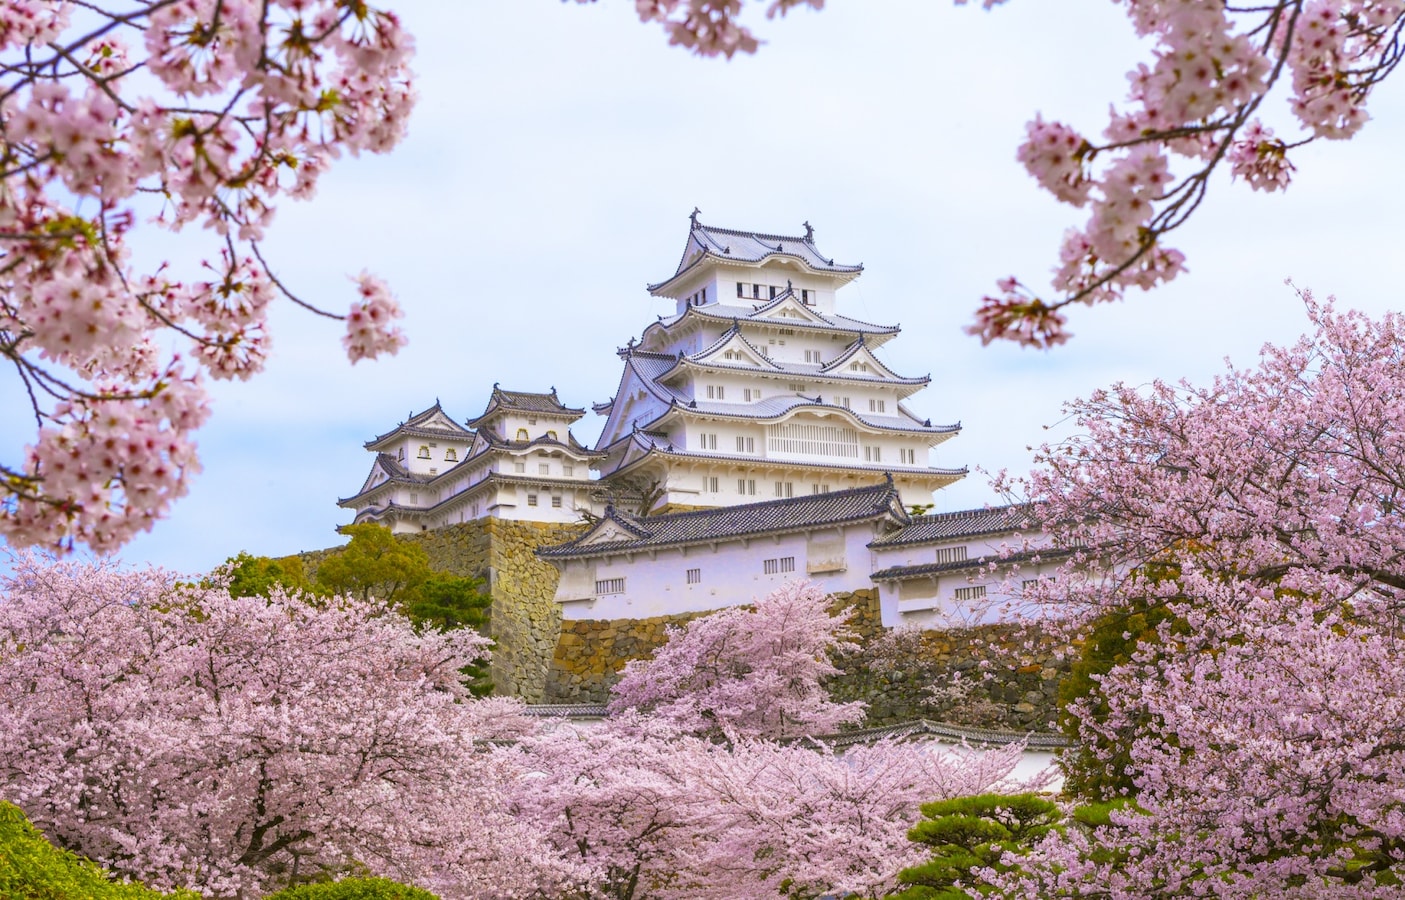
x,y
805,297
740,289
433,471
531,420
773,292
543,468
798,388
775,566
756,291
813,356
746,445
568,471
522,434
785,488
877,405
819,489
843,401
531,499
710,485
555,501
752,394
716,392
872,454
609,586
858,367
703,297
451,455
970,593
746,486
400,454
694,576
519,467
765,351
950,554
908,456
424,451
709,442
552,435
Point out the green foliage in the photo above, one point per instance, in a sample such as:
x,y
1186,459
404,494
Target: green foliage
x,y
971,833
1097,771
377,564
354,889
31,868
255,576
374,564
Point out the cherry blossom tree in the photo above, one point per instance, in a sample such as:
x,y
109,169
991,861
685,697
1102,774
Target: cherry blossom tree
x,y
233,745
205,114
1259,725
647,811
1193,106
746,672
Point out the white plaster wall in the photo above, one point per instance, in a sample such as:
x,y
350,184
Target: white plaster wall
x,y
731,574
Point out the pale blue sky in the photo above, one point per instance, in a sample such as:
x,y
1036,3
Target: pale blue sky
x,y
555,155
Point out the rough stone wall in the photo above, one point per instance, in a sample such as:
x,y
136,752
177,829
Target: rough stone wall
x,y
999,681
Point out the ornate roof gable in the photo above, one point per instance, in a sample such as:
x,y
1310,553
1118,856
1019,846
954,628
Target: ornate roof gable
x,y
787,309
751,248
858,361
504,401
733,349
431,423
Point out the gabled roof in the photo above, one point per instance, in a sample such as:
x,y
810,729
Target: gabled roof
x,y
751,247
825,322
496,441
632,533
732,339
782,406
432,423
395,474
965,523
525,402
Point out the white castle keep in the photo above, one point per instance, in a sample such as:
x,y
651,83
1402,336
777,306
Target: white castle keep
x,y
754,428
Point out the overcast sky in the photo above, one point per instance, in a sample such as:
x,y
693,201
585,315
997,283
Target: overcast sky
x,y
557,150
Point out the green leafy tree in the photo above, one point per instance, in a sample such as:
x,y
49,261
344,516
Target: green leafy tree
x,y
31,868
967,834
375,564
255,576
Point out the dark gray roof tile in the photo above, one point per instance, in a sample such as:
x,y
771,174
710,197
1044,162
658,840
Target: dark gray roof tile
x,y
961,524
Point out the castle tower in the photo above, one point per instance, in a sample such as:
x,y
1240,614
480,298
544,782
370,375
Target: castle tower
x,y
517,460
757,388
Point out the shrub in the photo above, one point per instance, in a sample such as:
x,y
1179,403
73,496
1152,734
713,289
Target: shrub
x,y
354,889
31,868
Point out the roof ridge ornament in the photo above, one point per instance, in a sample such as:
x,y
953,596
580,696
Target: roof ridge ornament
x,y
809,233
693,218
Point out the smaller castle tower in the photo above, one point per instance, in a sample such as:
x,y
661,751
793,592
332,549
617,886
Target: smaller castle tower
x,y
516,460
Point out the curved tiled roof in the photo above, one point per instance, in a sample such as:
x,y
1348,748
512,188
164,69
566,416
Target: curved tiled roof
x,y
830,322
776,407
960,524
413,427
898,573
524,401
497,441
797,513
734,245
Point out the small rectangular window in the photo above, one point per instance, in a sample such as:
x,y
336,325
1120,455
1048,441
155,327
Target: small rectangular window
x,y
519,467
568,471
756,291
805,296
433,471
556,501
609,586
746,486
709,442
773,292
787,564
950,554
531,499
970,593
770,566
739,289
711,484
818,488
785,488
543,468
798,388
844,402
694,576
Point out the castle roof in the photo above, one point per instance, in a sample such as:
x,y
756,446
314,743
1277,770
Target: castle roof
x,y
547,404
621,532
901,573
433,423
759,316
965,523
707,242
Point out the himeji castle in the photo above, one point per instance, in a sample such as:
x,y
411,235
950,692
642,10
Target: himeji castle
x,y
753,427
756,387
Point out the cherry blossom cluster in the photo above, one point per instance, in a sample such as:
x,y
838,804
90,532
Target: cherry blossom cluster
x,y
710,27
1262,514
218,109
1212,65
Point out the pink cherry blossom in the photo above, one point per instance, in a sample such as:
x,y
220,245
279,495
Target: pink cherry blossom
x,y
249,102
